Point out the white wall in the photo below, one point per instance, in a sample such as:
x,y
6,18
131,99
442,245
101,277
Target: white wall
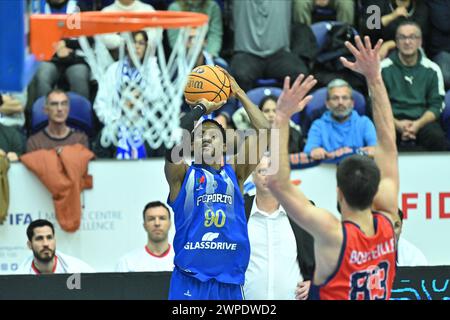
x,y
112,216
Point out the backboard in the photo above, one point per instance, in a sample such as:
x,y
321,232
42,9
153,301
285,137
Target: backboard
x,y
17,65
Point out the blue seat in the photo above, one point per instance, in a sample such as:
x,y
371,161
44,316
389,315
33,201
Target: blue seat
x,y
80,114
445,116
321,29
267,82
256,95
319,99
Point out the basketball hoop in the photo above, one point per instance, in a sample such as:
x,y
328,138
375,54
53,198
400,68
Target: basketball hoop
x,y
146,102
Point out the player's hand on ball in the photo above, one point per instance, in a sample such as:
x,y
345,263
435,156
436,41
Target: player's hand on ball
x,y
209,105
235,88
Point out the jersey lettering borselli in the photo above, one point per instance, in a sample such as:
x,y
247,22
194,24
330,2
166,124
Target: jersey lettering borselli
x,y
211,239
366,266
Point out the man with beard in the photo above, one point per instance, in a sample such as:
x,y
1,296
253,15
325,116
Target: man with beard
x,y
158,254
45,259
340,130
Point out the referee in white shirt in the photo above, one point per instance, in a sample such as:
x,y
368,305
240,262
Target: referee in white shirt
x,y
157,254
282,254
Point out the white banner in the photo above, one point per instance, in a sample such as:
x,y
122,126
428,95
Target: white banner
x,y
112,211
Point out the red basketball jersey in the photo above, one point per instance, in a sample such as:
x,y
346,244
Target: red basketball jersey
x,y
366,266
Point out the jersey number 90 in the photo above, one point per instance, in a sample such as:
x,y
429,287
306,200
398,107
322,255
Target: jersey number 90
x,y
217,218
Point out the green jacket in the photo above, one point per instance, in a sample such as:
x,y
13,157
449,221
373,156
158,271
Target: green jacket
x,y
415,89
11,140
215,26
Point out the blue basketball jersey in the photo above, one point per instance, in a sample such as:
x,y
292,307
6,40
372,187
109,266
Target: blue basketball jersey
x,y
211,239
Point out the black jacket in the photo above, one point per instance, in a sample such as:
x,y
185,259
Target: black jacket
x,y
305,243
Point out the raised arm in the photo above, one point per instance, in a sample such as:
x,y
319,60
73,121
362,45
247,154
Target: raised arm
x,y
368,64
322,225
252,143
175,168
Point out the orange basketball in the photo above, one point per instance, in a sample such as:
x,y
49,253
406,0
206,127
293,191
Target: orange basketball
x,y
207,82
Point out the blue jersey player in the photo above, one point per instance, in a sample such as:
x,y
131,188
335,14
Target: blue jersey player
x,y
211,243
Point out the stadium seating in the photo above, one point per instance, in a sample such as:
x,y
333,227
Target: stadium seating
x,y
257,94
320,30
445,116
320,97
80,114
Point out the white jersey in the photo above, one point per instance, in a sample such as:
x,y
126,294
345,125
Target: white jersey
x,y
408,255
143,259
64,264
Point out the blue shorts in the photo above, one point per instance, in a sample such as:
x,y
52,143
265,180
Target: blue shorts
x,y
185,287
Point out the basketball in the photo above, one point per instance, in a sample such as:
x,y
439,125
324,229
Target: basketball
x,y
207,82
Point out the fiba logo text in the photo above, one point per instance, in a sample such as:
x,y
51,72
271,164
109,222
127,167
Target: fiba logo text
x,y
74,282
374,17
20,219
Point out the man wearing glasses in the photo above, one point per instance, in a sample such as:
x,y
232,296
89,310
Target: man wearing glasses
x,y
340,130
56,133
416,89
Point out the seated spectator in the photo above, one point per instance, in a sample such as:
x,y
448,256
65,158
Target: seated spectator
x,y
393,12
268,105
113,41
12,109
129,88
305,10
439,43
271,275
261,42
157,254
11,143
68,60
56,133
45,259
416,90
341,129
408,255
215,28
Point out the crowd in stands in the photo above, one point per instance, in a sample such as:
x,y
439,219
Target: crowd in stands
x,y
269,40
415,69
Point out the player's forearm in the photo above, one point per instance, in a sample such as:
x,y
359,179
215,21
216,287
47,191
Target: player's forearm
x,y
382,115
257,118
282,176
187,123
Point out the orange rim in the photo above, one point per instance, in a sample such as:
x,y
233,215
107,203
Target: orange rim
x,y
46,30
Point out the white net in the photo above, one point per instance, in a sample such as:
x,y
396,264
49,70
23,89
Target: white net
x,y
140,92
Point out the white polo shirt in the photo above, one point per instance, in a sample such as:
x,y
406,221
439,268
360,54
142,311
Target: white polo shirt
x,y
273,271
143,259
64,264
408,255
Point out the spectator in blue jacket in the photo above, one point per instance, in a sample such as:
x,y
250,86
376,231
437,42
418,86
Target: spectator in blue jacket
x,y
340,130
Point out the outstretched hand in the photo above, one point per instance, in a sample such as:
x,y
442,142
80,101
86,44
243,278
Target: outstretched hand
x,y
367,58
293,99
